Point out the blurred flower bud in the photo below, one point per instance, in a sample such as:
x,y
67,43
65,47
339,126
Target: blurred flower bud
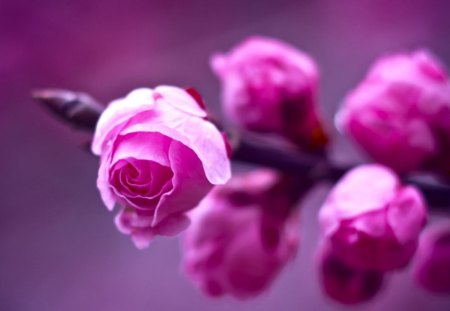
x,y
371,220
400,113
432,266
236,244
269,86
344,283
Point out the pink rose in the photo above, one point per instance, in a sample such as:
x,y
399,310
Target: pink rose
x,y
344,283
235,245
269,86
432,265
400,113
371,220
159,156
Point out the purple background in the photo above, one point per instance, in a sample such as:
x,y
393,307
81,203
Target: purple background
x,y
59,248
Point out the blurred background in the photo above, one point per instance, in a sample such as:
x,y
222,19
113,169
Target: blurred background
x,y
59,249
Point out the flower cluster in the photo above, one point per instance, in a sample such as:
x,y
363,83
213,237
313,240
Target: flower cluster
x,y
166,166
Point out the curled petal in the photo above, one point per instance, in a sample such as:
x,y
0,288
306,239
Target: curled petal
x,y
189,183
180,99
119,112
139,225
407,214
103,185
209,147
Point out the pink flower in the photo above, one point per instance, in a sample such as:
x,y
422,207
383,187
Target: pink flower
x,y
400,113
371,220
159,157
235,245
432,266
269,86
344,283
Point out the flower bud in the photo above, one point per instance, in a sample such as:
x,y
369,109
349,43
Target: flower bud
x,y
346,284
399,114
371,220
269,86
432,266
159,157
234,245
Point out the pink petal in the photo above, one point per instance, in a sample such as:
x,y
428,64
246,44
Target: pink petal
x,y
364,189
180,99
197,134
407,214
143,146
119,112
103,185
173,225
190,184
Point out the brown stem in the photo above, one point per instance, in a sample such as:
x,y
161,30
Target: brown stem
x,y
77,109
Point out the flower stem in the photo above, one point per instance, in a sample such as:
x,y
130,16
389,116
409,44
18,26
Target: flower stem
x,y
82,111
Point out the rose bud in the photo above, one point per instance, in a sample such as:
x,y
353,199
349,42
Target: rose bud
x,y
344,283
159,157
399,114
269,86
371,220
235,244
432,264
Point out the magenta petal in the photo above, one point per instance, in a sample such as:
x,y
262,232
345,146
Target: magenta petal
x,y
172,225
180,99
432,264
248,267
142,239
190,184
208,146
118,112
407,214
140,183
344,283
129,222
104,187
365,189
142,146
138,225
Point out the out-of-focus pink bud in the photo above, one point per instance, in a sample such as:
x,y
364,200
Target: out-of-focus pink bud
x,y
371,220
234,245
269,86
344,283
400,113
432,266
